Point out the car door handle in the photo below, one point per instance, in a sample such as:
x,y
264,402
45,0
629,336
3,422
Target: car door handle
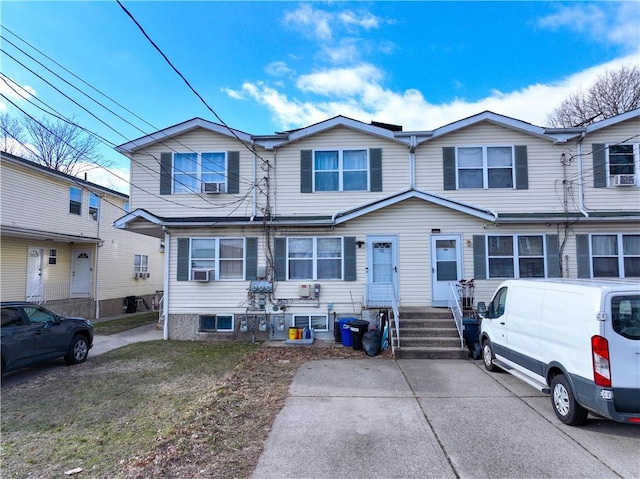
x,y
502,323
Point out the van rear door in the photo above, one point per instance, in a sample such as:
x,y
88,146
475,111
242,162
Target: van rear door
x,y
622,331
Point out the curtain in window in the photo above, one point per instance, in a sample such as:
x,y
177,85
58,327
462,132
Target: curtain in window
x,y
354,165
326,168
231,259
604,245
604,249
470,166
203,253
501,257
213,168
631,252
185,172
300,258
329,258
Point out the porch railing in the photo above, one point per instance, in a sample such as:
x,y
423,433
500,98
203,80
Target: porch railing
x,y
455,305
52,292
383,295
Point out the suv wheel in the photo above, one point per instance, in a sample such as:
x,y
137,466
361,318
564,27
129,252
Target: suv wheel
x,y
78,350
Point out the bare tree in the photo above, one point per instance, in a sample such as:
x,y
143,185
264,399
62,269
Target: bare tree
x,y
613,93
62,146
12,137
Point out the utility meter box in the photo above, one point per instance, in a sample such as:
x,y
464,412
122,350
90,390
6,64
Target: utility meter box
x,y
305,290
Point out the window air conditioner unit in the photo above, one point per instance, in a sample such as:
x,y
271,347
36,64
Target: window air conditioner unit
x,y
136,275
203,275
625,180
213,188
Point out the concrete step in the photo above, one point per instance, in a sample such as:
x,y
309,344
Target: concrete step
x,y
429,342
449,332
431,353
411,313
426,323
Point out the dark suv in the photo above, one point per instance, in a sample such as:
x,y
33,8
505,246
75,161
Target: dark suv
x,y
31,334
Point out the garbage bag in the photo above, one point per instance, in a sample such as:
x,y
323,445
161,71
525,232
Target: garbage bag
x,y
371,342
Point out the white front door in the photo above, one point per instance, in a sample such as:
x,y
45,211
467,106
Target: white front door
x,y
446,267
81,273
34,274
382,270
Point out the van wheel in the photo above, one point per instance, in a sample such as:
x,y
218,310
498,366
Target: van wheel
x,y
488,356
564,403
78,350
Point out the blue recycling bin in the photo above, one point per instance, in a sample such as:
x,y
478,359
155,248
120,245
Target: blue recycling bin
x,y
345,331
471,335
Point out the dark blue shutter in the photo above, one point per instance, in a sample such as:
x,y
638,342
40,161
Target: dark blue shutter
x,y
599,165
449,167
306,171
251,259
350,271
233,172
479,257
375,165
553,256
165,173
582,253
522,169
280,259
183,260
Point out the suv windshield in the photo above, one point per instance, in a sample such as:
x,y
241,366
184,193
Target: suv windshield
x,y
625,316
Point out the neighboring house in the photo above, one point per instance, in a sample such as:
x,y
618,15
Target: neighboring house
x,y
59,246
343,218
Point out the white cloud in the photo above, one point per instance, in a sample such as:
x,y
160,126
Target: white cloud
x,y
278,69
619,26
360,94
14,91
114,178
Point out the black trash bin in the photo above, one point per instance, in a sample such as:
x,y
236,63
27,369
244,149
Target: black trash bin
x,y
131,303
358,328
471,336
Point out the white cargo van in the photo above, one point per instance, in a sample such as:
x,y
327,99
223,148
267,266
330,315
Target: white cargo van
x,y
578,340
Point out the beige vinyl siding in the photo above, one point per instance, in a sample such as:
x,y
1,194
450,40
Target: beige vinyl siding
x,y
116,256
13,278
145,176
36,201
288,199
545,173
611,198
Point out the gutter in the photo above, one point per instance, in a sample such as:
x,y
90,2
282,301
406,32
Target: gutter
x,y
580,180
412,161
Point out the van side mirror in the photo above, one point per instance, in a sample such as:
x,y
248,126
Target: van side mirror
x,y
482,308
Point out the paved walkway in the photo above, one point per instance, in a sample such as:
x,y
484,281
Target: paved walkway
x,y
380,418
102,344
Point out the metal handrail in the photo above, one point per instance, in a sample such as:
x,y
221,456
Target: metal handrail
x,y
38,292
455,305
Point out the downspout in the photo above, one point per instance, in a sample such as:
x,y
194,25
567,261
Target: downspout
x,y
96,287
580,180
165,306
255,177
412,162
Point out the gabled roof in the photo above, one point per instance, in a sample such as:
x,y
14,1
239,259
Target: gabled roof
x,y
179,129
482,213
58,174
337,121
487,116
613,120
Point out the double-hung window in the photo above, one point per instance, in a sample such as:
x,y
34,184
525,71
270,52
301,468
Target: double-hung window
x,y
75,200
315,258
94,206
622,159
485,166
224,257
519,256
192,171
141,265
341,170
615,255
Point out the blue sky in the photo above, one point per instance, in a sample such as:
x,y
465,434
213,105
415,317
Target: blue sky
x,y
270,66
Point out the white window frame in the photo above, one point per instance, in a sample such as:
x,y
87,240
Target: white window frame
x,y
198,174
216,260
636,162
216,318
94,206
141,264
314,258
341,170
486,167
72,201
302,320
516,256
619,255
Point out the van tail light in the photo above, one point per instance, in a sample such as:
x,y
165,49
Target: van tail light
x,y
601,367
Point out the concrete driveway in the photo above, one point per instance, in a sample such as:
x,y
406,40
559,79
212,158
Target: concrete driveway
x,y
434,418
